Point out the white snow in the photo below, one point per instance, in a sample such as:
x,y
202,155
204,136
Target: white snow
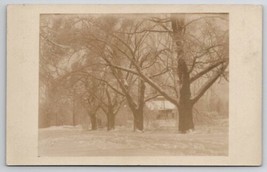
x,y
165,140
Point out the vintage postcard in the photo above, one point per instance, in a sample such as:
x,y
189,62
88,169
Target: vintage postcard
x,y
134,85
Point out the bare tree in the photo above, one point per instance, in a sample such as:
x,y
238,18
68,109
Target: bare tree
x,y
215,57
111,107
130,50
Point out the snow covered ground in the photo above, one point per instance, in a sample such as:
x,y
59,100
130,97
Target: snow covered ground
x,y
209,139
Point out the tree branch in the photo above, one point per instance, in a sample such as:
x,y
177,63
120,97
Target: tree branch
x,y
209,83
201,55
160,73
54,43
201,18
108,84
156,87
152,97
149,81
206,70
123,69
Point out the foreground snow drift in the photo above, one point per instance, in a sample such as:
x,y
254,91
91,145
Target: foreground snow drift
x,y
73,141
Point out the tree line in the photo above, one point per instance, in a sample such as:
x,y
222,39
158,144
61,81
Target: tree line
x,y
105,61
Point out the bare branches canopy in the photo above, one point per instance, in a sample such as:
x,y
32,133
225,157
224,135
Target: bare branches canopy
x,y
106,62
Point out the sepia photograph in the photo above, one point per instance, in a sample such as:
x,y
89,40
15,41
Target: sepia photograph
x,y
133,84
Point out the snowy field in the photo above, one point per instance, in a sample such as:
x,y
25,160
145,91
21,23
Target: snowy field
x,y
211,139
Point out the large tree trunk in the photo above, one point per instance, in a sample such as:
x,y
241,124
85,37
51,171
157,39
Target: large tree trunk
x,y
185,116
185,104
139,120
139,112
110,121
